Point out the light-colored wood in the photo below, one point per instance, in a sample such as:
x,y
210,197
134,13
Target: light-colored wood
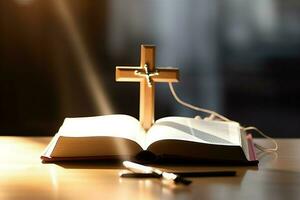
x,y
147,90
23,176
127,74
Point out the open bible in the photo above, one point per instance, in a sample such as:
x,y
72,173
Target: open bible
x,y
122,137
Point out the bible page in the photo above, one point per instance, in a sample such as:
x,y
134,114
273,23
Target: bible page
x,y
122,126
195,130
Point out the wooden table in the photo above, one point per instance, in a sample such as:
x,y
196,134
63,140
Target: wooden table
x,y
23,176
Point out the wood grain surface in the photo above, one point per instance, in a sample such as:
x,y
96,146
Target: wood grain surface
x,y
23,176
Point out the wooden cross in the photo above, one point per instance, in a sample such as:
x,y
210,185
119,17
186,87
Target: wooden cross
x,y
147,75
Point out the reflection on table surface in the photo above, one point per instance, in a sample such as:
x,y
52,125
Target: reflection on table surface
x,y
23,176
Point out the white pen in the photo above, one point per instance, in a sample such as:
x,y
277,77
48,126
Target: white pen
x,y
138,168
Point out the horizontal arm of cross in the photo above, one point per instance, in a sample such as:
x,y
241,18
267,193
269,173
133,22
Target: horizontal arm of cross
x,y
164,74
167,75
127,74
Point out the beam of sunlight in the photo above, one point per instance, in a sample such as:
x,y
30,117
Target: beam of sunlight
x,y
87,66
23,2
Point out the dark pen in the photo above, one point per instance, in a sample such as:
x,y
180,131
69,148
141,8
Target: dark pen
x,y
182,174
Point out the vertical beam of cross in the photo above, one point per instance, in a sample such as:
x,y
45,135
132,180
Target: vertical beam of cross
x,y
147,92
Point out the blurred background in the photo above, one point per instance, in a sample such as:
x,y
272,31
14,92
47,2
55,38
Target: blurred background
x,y
238,57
